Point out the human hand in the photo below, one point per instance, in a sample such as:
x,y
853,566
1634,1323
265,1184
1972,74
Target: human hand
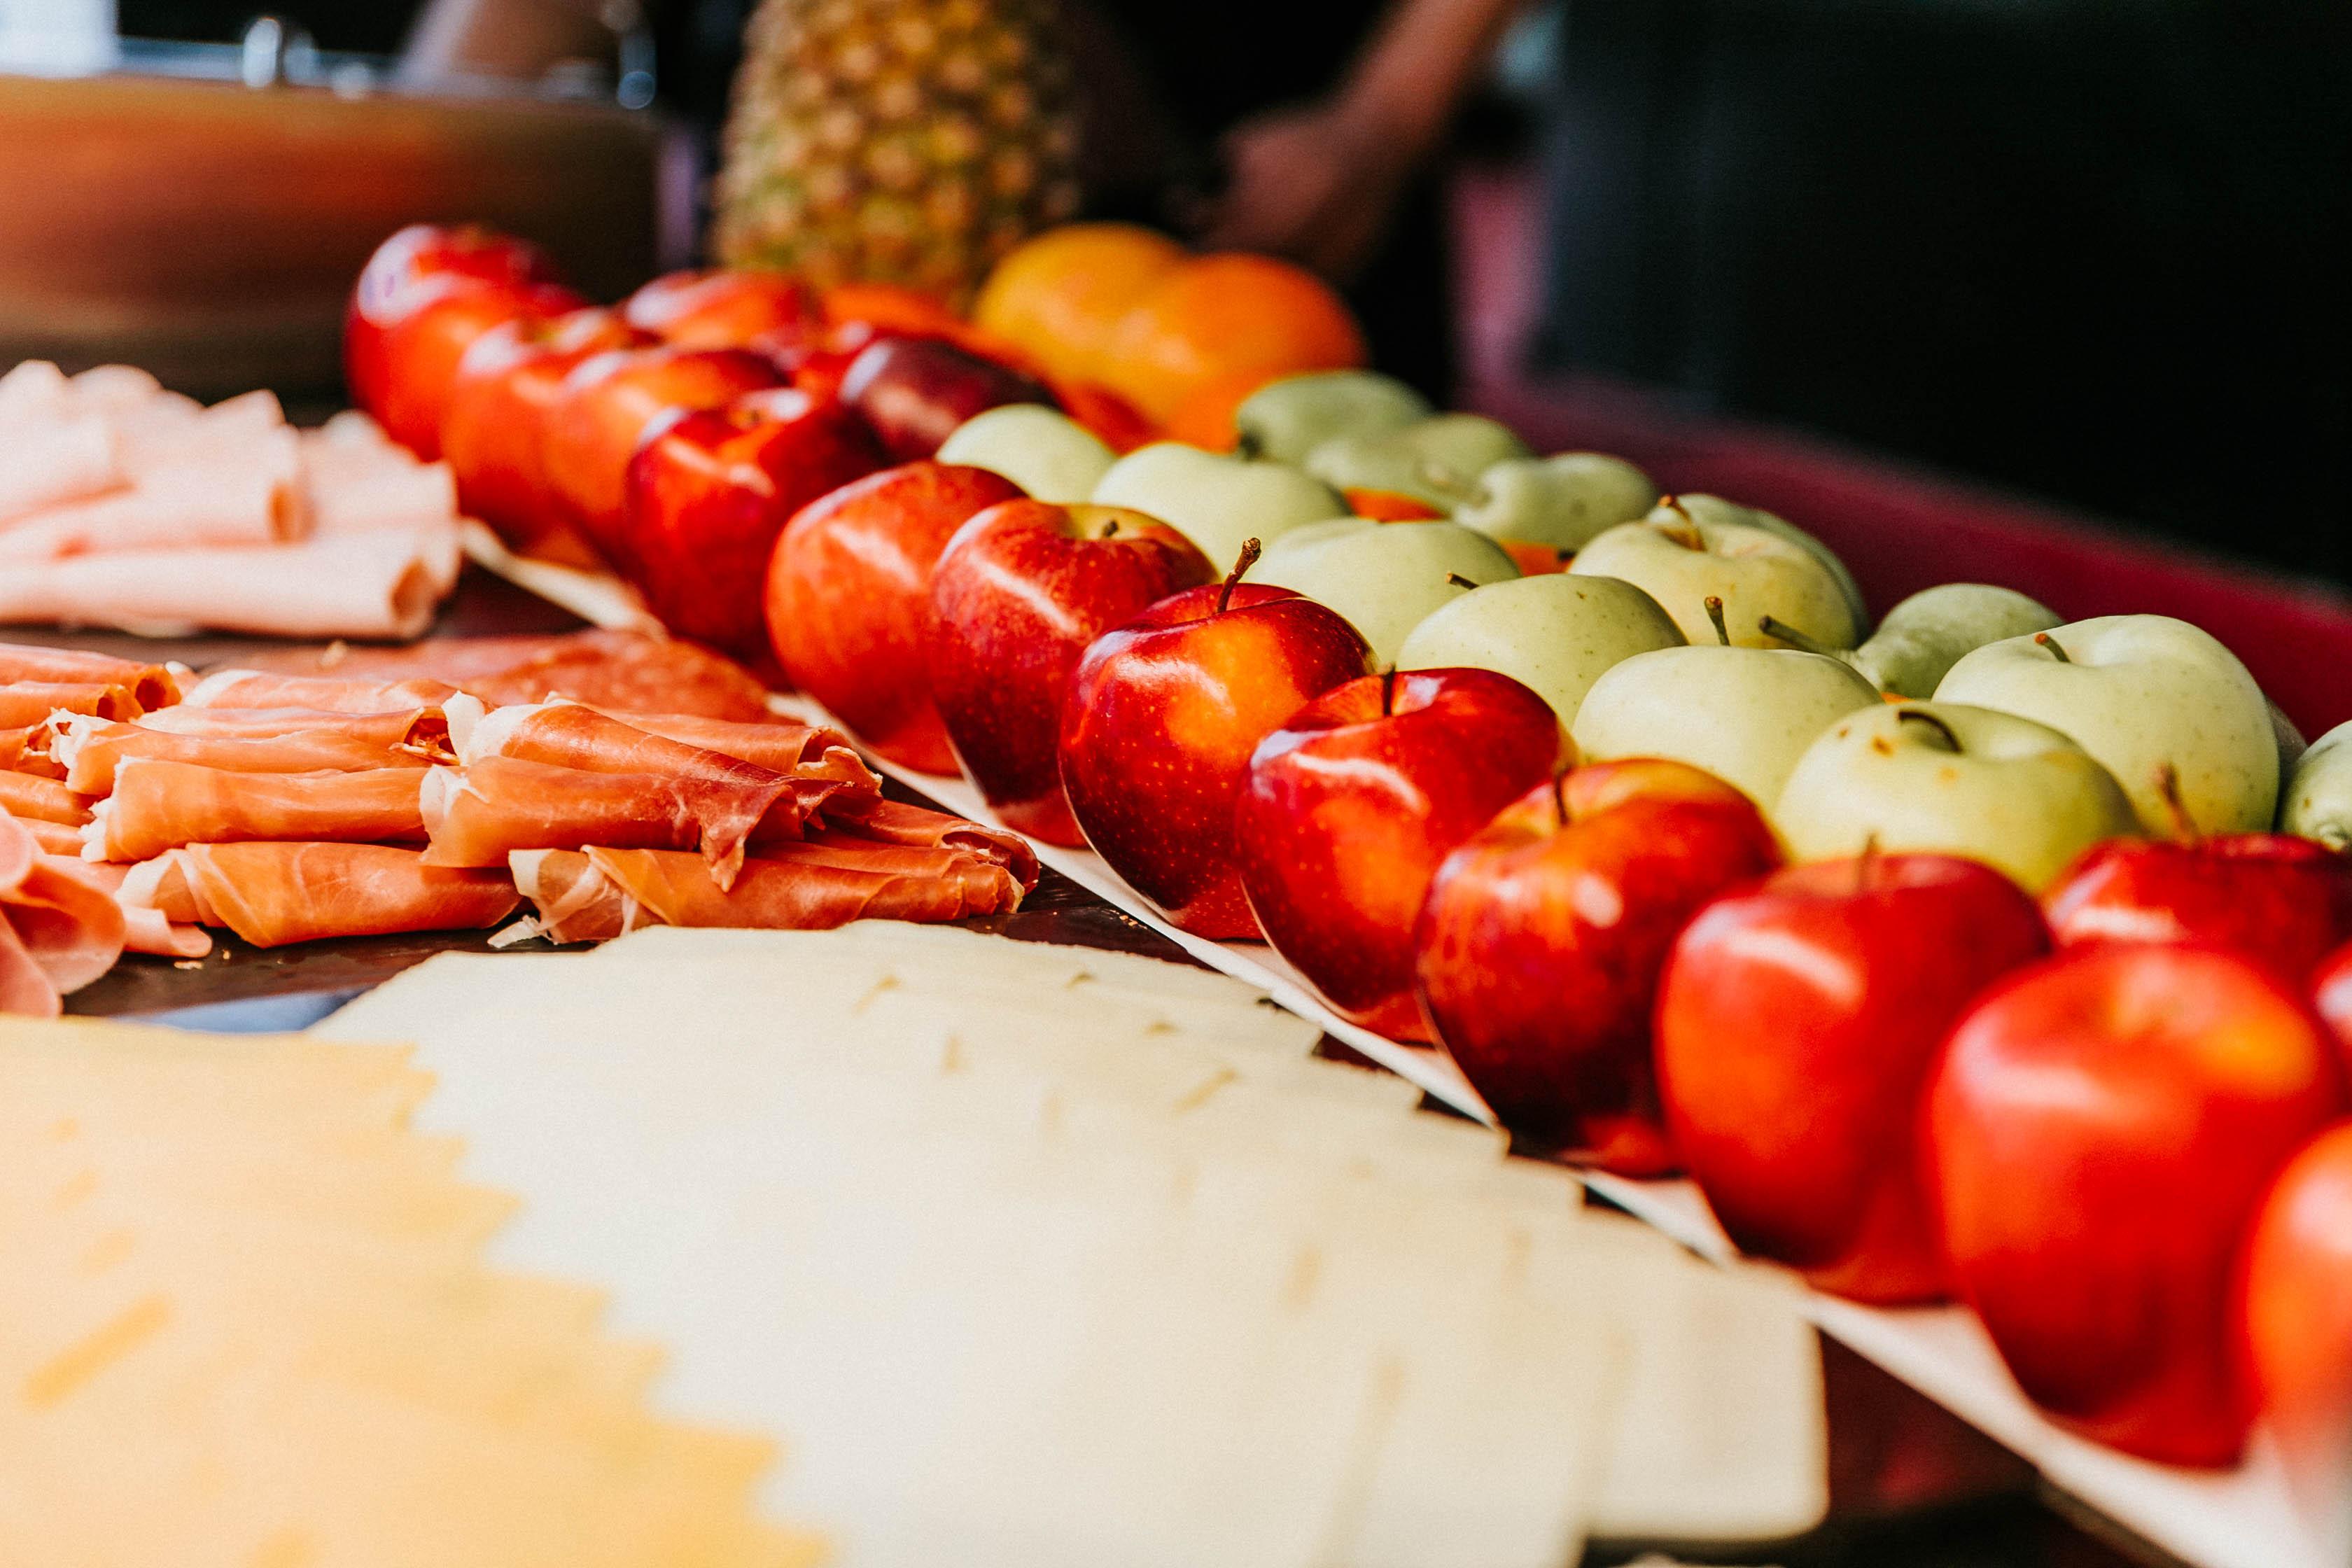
x,y
1317,183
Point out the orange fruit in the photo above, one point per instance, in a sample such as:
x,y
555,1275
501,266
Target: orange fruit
x,y
889,308
1061,294
1222,319
1205,418
1391,506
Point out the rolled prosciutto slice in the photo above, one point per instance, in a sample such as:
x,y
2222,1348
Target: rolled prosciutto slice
x,y
41,800
59,929
150,685
95,754
324,693
144,929
479,815
159,806
575,901
31,701
271,894
571,735
895,822
418,726
781,745
27,750
797,887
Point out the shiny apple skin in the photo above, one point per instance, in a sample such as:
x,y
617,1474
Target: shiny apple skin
x,y
849,600
606,405
1538,953
916,391
2296,1307
1020,593
1161,719
1350,810
493,429
391,284
710,492
423,349
725,308
2331,993
2284,900
2100,1128
1796,1025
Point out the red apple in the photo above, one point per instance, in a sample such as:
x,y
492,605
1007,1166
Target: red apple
x,y
606,405
849,600
1539,949
2283,899
708,492
1352,803
2331,992
725,309
389,284
2296,1307
1159,724
1797,1024
493,428
916,391
423,349
2100,1128
1020,593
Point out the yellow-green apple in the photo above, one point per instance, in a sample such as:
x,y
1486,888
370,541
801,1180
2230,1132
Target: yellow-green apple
x,y
1161,719
711,489
1682,561
1920,639
2316,799
1354,801
1704,508
1288,418
1436,460
1745,714
1385,577
2140,693
2101,1127
1557,633
1559,503
1538,952
1043,450
1947,778
1215,501
1797,1024
1017,596
849,600
915,391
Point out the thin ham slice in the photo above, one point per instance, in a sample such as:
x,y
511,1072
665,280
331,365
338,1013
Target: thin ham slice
x,y
385,583
38,799
481,814
273,894
779,745
31,701
574,900
246,494
164,432
618,671
146,929
55,458
408,725
96,753
60,929
150,685
357,485
323,693
159,806
54,837
895,822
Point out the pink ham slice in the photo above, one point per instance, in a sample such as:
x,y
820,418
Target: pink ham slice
x,y
360,481
478,816
160,806
96,753
59,929
29,702
243,495
53,460
150,685
384,584
274,894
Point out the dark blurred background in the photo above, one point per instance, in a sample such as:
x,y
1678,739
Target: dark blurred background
x,y
2092,250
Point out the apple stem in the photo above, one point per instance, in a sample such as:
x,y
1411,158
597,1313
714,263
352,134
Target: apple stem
x,y
1805,642
1559,795
2046,640
1459,581
1387,691
1110,528
1865,864
1251,550
1921,716
2167,785
1686,533
1715,614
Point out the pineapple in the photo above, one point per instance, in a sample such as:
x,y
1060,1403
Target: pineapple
x,y
909,141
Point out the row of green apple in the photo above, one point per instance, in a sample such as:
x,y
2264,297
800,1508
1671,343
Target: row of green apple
x,y
1693,628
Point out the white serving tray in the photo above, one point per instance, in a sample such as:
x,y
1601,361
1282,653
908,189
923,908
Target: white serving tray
x,y
2245,1518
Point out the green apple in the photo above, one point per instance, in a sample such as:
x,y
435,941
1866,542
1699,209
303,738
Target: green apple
x,y
1921,638
1435,460
1744,714
1682,561
1386,578
2316,800
1555,634
1706,508
1562,501
1214,500
1288,418
2141,693
1043,450
1947,779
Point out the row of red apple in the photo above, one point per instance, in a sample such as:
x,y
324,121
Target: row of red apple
x,y
1592,943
